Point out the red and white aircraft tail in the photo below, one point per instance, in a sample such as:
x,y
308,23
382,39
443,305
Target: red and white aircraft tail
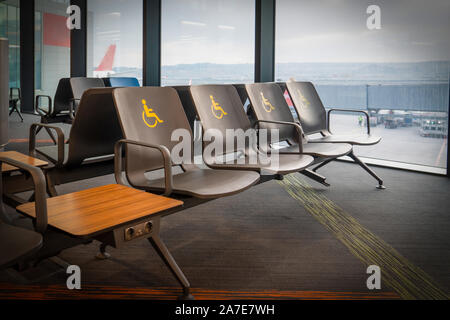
x,y
105,68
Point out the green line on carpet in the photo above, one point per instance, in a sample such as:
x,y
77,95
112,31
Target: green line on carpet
x,y
409,281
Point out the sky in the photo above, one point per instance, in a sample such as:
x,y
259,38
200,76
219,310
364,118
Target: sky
x,y
336,31
116,22
215,31
222,31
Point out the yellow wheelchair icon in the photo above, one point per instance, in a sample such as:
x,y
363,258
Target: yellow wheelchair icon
x,y
267,104
216,107
304,100
148,113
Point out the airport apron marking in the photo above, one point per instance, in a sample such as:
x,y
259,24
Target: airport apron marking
x,y
409,281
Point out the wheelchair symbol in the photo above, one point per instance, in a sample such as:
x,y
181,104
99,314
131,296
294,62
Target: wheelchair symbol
x,y
148,113
216,107
267,104
304,100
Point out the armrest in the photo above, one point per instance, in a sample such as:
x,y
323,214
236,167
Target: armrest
x,y
40,111
293,124
59,143
39,187
72,107
164,152
348,110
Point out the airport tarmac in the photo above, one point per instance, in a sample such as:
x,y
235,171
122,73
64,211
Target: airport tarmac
x,y
402,144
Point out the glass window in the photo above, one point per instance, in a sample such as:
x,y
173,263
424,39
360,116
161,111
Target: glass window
x,y
10,29
3,20
114,47
394,64
207,41
52,46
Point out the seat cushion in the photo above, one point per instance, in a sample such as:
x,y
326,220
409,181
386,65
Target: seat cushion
x,y
208,183
16,243
59,118
362,140
287,163
326,150
51,152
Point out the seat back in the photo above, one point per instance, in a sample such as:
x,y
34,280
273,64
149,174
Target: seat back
x,y
121,82
63,96
95,128
81,84
188,104
311,112
149,115
219,107
268,103
242,92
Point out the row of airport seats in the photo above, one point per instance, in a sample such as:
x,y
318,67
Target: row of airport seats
x,y
68,94
143,120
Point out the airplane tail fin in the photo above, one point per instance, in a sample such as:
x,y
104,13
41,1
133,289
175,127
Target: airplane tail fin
x,y
108,60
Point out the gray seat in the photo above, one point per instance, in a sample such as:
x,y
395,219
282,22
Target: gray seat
x,y
315,119
225,99
121,82
17,244
359,140
94,131
149,144
313,116
89,151
188,105
268,103
79,85
68,94
58,109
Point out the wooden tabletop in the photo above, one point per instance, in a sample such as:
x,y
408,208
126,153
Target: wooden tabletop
x,y
22,158
88,212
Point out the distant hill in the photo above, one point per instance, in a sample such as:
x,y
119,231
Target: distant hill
x,y
367,73
351,73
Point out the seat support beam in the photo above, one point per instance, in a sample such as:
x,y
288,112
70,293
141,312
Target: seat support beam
x,y
322,164
315,176
170,262
370,171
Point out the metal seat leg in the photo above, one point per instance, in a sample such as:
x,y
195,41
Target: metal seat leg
x,y
51,135
322,164
170,262
315,176
103,255
16,110
365,167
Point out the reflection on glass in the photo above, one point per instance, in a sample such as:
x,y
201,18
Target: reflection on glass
x,y
51,47
114,47
399,73
10,29
207,41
